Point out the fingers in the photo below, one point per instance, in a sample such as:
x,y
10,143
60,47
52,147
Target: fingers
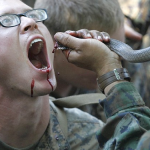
x,y
67,40
88,53
76,46
101,36
84,33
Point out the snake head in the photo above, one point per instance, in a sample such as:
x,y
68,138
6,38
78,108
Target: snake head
x,y
60,46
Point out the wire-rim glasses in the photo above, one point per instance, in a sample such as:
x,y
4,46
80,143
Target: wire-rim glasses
x,y
11,20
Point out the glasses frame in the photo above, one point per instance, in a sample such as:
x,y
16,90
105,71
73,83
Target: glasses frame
x,y
23,14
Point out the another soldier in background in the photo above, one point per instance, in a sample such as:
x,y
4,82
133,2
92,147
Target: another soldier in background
x,y
101,15
137,16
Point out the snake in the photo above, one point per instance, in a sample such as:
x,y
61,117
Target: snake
x,y
125,51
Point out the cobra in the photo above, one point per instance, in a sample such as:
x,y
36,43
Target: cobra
x,y
124,50
127,53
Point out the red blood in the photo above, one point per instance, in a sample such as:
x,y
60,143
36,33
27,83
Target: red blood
x,y
32,86
48,78
53,50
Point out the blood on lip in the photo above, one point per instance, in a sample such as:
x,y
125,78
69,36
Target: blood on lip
x,y
33,82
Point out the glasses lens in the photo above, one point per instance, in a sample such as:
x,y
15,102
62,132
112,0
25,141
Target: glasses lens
x,y
9,20
37,15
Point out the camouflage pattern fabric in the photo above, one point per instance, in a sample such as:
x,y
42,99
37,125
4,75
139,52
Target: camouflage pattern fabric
x,y
128,120
82,129
137,14
140,76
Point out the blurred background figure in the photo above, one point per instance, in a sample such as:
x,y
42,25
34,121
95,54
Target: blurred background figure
x,y
137,16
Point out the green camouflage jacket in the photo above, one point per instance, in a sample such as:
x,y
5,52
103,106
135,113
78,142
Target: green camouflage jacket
x,y
81,128
128,120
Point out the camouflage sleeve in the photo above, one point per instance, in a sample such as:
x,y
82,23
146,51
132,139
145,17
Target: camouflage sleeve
x,y
128,120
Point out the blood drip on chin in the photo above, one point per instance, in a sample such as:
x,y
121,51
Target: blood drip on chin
x,y
53,50
48,79
32,86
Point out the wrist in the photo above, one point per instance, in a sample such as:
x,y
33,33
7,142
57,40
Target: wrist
x,y
111,78
108,68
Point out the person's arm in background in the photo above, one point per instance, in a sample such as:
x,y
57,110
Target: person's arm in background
x,y
130,33
127,116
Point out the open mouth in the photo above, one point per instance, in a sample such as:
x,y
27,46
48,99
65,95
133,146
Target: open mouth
x,y
37,54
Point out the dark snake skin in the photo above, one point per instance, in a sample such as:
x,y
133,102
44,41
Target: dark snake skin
x,y
125,51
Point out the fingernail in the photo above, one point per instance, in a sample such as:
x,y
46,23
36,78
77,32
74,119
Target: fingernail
x,y
100,38
106,38
58,36
89,35
68,31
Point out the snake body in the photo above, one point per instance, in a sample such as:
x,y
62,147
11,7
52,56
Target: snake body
x,y
127,53
124,50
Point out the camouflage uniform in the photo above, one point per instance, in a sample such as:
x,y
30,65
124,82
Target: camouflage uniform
x,y
137,12
128,120
127,127
81,127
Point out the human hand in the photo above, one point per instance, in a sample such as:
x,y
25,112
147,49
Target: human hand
x,y
89,53
84,34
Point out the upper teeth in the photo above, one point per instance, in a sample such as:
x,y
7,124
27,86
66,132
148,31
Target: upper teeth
x,y
34,41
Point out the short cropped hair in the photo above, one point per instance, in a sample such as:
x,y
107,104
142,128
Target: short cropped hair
x,y
78,14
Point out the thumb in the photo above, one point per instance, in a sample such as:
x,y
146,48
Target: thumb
x,y
67,40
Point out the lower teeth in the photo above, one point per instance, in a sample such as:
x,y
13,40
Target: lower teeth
x,y
43,68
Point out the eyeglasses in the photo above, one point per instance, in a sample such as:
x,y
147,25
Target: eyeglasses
x,y
11,20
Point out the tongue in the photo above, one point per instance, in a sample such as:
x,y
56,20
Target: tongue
x,y
36,63
36,48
